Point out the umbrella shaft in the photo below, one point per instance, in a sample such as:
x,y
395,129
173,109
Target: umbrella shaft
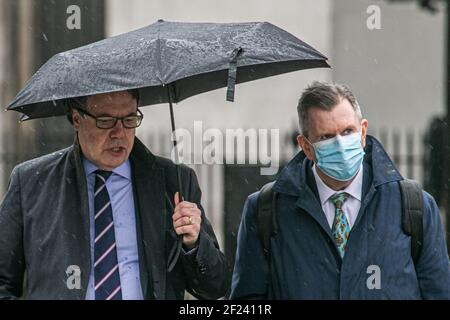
x,y
174,139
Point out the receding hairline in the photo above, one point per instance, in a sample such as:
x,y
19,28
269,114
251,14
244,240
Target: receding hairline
x,y
324,96
331,108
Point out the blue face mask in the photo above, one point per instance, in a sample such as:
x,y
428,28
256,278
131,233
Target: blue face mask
x,y
340,157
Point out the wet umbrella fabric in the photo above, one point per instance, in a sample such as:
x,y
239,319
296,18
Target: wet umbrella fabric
x,y
191,58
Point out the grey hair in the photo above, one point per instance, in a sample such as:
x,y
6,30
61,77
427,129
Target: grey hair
x,y
325,96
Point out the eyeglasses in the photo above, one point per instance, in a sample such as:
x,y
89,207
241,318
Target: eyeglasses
x,y
107,122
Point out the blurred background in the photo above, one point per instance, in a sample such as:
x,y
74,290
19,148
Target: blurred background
x,y
397,66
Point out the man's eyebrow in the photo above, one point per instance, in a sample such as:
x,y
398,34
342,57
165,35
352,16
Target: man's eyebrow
x,y
327,133
108,115
350,126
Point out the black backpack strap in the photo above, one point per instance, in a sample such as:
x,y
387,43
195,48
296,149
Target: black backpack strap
x,y
412,211
266,216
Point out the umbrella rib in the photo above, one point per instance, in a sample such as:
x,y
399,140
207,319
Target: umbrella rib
x,y
158,54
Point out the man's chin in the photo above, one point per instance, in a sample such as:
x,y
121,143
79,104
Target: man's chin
x,y
113,159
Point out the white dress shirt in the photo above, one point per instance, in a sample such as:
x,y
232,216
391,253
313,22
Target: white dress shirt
x,y
351,205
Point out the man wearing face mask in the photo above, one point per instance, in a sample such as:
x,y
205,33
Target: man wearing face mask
x,y
339,218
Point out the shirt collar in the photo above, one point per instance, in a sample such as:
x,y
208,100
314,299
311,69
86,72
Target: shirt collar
x,y
325,192
124,170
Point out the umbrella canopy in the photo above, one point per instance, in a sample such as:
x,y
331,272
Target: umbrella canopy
x,y
190,58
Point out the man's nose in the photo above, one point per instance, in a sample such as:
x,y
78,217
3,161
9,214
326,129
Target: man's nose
x,y
118,131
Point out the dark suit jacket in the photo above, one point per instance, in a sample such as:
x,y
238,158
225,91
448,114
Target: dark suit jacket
x,y
44,229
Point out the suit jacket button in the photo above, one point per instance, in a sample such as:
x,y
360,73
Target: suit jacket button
x,y
202,268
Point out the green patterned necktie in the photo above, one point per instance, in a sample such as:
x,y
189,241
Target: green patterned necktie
x,y
341,227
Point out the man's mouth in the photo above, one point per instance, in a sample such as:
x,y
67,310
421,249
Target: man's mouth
x,y
117,150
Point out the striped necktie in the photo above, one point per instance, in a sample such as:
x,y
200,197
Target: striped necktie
x,y
341,227
106,267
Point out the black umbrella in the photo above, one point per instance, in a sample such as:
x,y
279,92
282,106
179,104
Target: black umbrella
x,y
168,62
190,57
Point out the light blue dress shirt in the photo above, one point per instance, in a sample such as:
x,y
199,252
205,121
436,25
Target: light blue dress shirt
x,y
120,191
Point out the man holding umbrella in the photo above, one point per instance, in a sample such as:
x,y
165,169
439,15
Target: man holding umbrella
x,y
101,219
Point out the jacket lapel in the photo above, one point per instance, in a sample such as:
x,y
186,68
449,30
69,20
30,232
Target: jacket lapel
x,y
309,199
314,209
149,190
378,169
81,202
368,191
297,180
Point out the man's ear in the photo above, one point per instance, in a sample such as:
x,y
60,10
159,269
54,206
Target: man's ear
x,y
76,117
364,126
306,147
